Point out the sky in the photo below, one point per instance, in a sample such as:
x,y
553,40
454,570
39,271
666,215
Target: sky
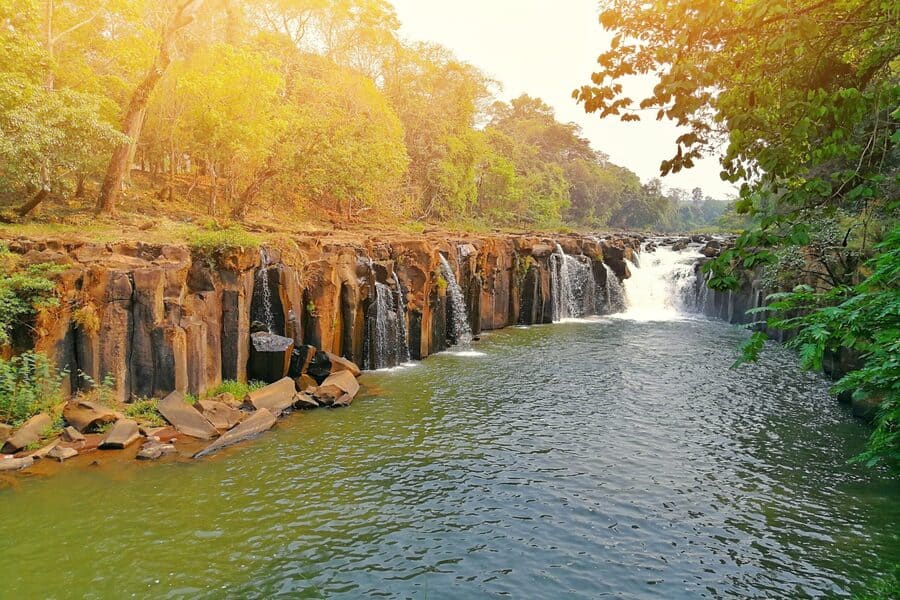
x,y
547,48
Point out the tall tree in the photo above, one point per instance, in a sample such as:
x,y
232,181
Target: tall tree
x,y
132,120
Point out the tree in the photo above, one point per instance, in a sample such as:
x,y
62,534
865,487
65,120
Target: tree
x,y
132,120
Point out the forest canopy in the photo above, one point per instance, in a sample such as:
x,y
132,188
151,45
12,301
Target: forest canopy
x,y
237,107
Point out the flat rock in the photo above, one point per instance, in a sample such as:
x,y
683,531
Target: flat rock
x,y
62,453
70,434
84,415
226,398
335,386
221,415
306,383
153,450
275,397
28,433
123,434
45,451
185,418
255,424
14,464
304,400
339,363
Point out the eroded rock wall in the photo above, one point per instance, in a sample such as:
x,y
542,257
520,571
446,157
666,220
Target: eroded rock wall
x,y
152,319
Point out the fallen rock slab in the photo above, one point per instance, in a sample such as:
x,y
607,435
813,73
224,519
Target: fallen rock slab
x,y
185,418
123,434
43,452
304,400
336,386
70,434
28,433
306,383
14,464
275,397
84,415
62,453
221,415
258,422
5,432
153,449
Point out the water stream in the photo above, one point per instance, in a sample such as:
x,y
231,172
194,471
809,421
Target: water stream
x,y
386,329
459,317
607,458
264,310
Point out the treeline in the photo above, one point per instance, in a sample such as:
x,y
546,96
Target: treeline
x,y
235,105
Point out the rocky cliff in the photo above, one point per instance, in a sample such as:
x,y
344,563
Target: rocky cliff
x,y
160,318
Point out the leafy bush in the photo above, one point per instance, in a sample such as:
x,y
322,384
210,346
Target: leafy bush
x,y
24,292
29,384
145,410
214,242
235,388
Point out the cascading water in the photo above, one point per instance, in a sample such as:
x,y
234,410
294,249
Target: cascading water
x,y
265,295
615,294
387,345
573,286
662,287
460,317
403,338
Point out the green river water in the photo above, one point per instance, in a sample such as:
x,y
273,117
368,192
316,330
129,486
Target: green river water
x,y
606,458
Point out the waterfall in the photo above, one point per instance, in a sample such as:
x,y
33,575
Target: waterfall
x,y
459,315
615,294
403,336
661,289
386,324
573,286
262,281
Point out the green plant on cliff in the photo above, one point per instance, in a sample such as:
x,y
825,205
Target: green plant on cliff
x,y
144,410
24,291
235,388
29,384
212,243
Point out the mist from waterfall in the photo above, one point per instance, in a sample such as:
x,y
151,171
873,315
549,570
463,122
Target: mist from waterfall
x,y
615,293
459,315
573,286
662,287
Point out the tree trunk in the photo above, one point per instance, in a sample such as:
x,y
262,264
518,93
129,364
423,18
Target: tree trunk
x,y
243,204
79,188
213,188
33,203
133,119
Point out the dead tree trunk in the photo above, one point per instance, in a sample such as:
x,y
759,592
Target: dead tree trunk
x,y
133,119
243,204
33,203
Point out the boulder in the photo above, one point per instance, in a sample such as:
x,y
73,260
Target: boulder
x,y
5,432
28,433
275,397
165,435
339,363
270,356
154,449
14,464
324,364
336,386
220,414
185,418
45,451
124,433
84,415
304,400
62,453
226,398
306,383
70,434
300,360
258,422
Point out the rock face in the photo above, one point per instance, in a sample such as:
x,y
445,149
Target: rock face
x,y
270,356
258,422
185,418
170,320
29,433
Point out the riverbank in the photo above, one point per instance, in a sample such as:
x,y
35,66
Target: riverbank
x,y
137,321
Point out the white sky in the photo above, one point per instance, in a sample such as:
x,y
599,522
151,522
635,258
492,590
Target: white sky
x,y
547,48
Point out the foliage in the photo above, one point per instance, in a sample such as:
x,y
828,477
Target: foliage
x,y
214,242
145,411
814,141
24,291
235,388
29,385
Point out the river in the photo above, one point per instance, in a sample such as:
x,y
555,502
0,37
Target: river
x,y
599,457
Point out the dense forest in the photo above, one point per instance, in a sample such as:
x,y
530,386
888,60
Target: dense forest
x,y
236,107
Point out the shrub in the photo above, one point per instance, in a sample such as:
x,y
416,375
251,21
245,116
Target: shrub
x,y
29,384
24,292
235,388
145,411
212,243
